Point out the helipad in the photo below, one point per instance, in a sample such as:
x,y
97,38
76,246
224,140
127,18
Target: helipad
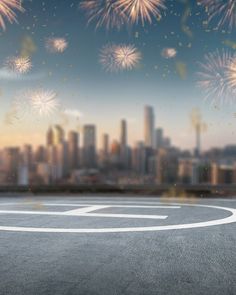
x,y
93,213
116,245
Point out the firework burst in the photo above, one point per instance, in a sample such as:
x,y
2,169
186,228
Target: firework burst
x,y
19,65
108,58
56,45
143,10
21,106
115,58
7,11
44,102
231,73
104,13
224,10
127,57
214,77
169,53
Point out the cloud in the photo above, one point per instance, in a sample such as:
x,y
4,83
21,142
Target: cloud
x,y
73,113
7,75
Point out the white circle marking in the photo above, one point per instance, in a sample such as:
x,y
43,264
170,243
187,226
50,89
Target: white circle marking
x,y
226,220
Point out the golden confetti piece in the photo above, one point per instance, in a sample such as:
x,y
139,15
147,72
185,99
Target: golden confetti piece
x,y
185,17
181,69
28,47
230,43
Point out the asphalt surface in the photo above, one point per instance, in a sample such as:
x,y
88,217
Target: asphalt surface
x,y
142,255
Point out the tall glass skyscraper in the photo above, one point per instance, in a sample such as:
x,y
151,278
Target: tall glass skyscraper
x,y
149,123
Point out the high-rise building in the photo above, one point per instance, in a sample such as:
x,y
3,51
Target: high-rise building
x,y
139,158
40,154
115,154
49,138
149,123
123,144
89,146
104,155
55,135
159,138
167,166
11,164
58,135
57,152
73,150
62,158
105,145
27,156
123,133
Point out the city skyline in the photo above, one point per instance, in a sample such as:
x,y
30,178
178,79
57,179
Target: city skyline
x,y
184,140
73,158
166,77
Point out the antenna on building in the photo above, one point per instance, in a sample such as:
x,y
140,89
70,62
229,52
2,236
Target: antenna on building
x,y
199,126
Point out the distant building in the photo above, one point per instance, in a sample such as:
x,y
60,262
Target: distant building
x,y
40,154
115,154
123,144
188,170
55,135
49,137
167,166
139,158
11,164
149,123
166,143
223,174
159,138
89,146
105,145
23,175
73,150
27,156
43,170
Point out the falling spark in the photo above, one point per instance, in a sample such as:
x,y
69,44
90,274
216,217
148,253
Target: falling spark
x,y
56,45
169,53
225,10
127,57
214,76
142,9
19,65
44,102
104,13
7,8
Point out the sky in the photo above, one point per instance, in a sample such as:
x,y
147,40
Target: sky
x,y
89,94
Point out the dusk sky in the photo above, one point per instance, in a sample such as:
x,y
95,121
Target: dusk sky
x,y
104,98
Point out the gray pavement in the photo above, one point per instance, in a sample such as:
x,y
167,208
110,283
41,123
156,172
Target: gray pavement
x,y
199,260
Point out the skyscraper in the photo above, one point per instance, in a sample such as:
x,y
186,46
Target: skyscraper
x,y
57,152
123,144
139,158
58,135
49,138
11,164
73,150
55,135
89,146
149,122
123,133
159,138
105,145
